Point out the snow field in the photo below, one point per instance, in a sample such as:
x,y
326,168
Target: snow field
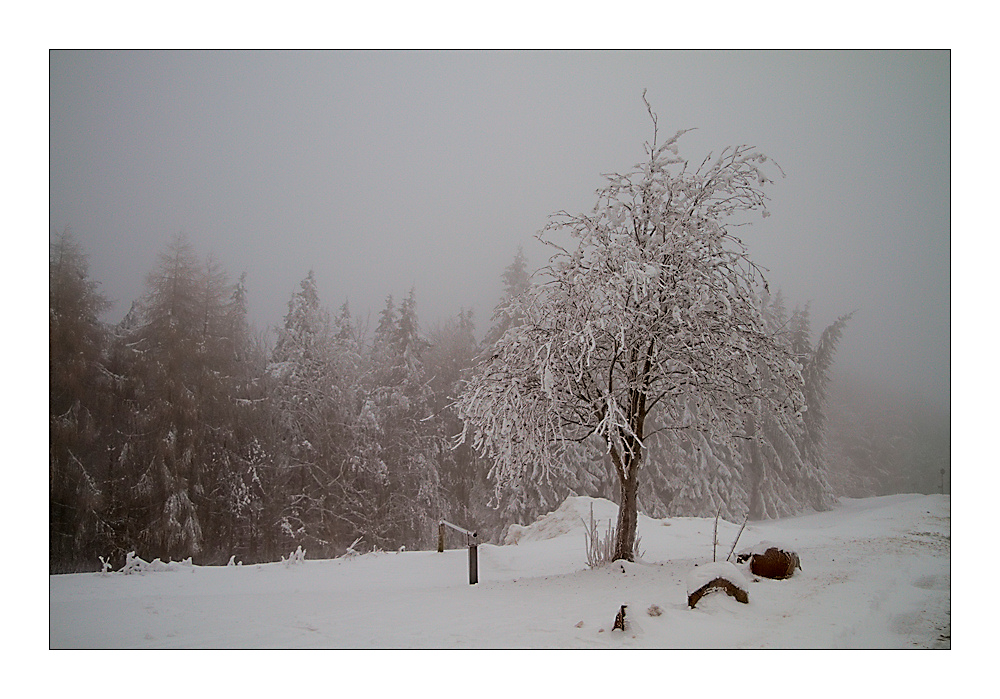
x,y
875,574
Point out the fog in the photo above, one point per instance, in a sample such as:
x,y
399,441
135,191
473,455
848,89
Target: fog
x,y
386,171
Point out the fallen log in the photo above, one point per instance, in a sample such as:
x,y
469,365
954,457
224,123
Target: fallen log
x,y
719,584
717,576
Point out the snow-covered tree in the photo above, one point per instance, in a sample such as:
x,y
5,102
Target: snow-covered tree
x,y
159,359
311,425
448,361
387,321
406,447
78,395
516,281
817,362
182,370
76,335
648,326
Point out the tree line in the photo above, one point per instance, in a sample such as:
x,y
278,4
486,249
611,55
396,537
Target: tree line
x,y
182,432
179,432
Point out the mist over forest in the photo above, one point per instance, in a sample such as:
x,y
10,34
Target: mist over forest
x,y
272,276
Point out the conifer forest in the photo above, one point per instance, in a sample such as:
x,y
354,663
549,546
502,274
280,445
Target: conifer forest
x,y
182,430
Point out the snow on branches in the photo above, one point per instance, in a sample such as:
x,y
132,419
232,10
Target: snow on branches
x,y
654,312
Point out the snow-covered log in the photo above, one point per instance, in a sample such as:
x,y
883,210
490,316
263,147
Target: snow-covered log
x,y
717,576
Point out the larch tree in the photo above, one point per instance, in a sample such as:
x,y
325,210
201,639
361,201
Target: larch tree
x,y
158,434
649,326
77,396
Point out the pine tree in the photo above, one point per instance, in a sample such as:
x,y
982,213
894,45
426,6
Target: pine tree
x,y
786,464
516,282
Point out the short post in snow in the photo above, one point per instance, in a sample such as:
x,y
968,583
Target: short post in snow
x,y
473,562
471,540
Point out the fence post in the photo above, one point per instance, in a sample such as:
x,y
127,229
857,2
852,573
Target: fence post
x,y
471,540
473,562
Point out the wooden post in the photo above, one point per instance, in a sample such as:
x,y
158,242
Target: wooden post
x,y
470,539
473,564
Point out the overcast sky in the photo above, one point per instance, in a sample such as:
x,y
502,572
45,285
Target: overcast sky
x,y
383,171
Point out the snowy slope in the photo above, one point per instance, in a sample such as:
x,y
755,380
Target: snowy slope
x,y
875,574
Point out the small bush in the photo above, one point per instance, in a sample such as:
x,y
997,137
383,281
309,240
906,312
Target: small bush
x,y
600,550
295,557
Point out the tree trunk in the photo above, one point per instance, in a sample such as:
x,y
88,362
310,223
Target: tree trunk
x,y
755,472
627,511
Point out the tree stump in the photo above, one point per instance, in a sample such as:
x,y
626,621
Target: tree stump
x,y
620,622
774,563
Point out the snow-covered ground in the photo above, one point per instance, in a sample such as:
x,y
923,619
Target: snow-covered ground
x,y
875,574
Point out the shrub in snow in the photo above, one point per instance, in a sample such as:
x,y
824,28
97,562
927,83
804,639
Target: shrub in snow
x,y
158,566
297,556
717,576
350,549
105,567
654,610
134,564
600,551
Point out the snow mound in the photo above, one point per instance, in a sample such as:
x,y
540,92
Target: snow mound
x,y
762,547
134,564
572,516
704,574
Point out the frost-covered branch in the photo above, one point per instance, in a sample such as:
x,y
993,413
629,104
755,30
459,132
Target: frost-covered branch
x,y
655,309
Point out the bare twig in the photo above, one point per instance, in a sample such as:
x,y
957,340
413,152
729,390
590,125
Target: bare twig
x,y
715,533
738,534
